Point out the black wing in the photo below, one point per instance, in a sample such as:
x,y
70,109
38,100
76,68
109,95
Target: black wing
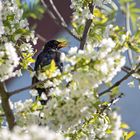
x,y
37,63
43,59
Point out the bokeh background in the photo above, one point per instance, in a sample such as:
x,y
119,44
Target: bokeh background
x,y
129,105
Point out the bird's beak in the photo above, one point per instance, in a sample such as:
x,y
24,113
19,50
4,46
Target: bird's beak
x,y
63,44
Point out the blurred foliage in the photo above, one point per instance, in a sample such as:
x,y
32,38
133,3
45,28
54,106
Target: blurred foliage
x,y
129,6
134,42
32,9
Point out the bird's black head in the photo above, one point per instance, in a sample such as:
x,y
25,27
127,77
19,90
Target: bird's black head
x,y
55,45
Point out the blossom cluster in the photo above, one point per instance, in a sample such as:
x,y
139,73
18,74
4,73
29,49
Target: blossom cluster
x,y
32,132
15,39
83,12
98,127
74,117
80,11
8,53
96,64
61,113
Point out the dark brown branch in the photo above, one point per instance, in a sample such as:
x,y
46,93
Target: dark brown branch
x,y
111,102
59,19
6,107
120,81
87,28
26,88
125,70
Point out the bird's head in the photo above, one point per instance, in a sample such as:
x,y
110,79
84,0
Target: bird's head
x,y
55,45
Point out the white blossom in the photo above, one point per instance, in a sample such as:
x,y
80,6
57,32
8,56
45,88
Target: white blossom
x,y
32,132
34,92
43,96
73,50
14,31
131,84
8,65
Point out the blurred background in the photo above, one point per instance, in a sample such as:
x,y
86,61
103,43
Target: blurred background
x,y
46,27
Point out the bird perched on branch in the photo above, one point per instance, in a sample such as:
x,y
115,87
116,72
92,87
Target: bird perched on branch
x,y
50,52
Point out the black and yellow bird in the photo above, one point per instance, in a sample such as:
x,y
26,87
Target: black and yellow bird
x,y
50,52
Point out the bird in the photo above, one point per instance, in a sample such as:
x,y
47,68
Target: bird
x,y
50,52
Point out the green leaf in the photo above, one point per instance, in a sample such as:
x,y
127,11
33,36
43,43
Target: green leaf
x,y
32,15
50,69
10,17
35,106
130,135
114,92
108,131
134,47
124,126
27,59
18,3
22,31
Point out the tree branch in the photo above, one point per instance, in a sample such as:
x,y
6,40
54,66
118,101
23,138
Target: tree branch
x,y
17,91
125,70
6,107
26,88
111,102
59,17
41,38
128,28
59,20
120,81
87,28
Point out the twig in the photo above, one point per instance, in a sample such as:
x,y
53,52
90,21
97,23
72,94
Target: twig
x,y
125,70
41,38
59,17
111,102
6,107
120,81
130,55
26,88
59,20
87,28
